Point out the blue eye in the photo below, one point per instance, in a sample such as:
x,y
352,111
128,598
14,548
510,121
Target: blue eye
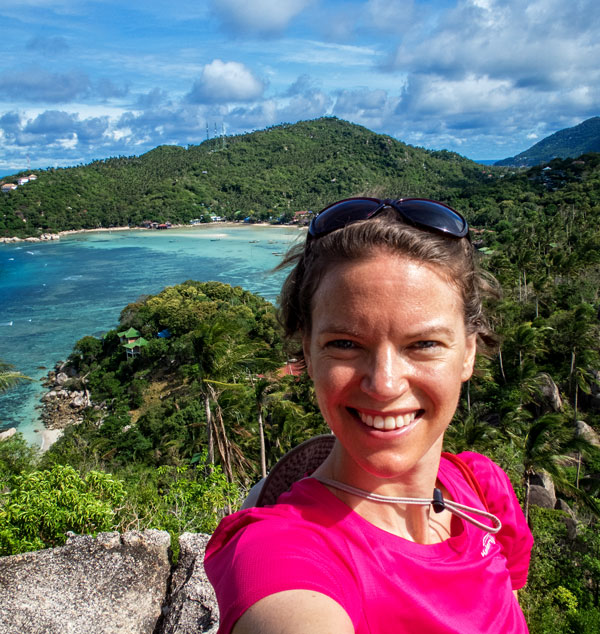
x,y
424,345
341,344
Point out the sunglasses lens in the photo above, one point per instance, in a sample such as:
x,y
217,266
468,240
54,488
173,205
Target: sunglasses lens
x,y
343,213
421,212
433,215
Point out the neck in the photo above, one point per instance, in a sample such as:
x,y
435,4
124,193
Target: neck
x,y
414,522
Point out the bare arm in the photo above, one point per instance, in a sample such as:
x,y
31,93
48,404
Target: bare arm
x,y
295,612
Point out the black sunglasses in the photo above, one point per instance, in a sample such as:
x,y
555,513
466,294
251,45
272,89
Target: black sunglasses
x,y
427,214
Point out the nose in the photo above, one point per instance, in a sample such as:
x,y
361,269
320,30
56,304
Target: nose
x,y
386,376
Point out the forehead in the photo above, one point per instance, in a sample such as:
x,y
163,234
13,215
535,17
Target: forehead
x,y
385,287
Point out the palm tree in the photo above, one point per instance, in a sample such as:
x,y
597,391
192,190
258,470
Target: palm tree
x,y
549,445
9,377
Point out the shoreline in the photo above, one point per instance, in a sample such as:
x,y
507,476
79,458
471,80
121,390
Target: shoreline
x,y
49,437
49,237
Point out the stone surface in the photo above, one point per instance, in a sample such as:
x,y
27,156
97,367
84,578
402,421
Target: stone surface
x,y
540,496
544,480
8,433
113,584
550,391
583,429
192,605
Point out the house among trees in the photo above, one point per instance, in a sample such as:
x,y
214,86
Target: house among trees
x,y
8,187
128,336
134,348
133,342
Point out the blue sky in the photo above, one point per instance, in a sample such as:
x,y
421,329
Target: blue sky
x,y
83,79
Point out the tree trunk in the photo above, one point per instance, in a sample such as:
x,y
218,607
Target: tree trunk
x,y
501,364
261,434
210,443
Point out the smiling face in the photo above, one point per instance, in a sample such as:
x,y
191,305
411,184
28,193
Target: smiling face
x,y
388,352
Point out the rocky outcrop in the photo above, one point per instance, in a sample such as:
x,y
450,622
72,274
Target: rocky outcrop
x,y
65,402
550,392
43,238
192,605
112,584
8,433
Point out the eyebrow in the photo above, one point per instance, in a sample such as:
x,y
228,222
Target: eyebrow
x,y
424,333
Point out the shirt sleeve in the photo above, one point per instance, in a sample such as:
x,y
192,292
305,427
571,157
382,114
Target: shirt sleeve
x,y
514,537
253,555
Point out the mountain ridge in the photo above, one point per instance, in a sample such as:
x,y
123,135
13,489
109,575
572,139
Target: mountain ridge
x,y
567,143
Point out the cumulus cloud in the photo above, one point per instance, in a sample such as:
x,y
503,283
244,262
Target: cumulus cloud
x,y
260,17
52,123
534,45
222,82
38,85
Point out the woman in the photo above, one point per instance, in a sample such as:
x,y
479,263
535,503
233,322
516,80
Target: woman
x,y
386,301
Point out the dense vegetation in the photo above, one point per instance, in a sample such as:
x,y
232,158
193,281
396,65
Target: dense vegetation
x,y
185,428
568,143
267,174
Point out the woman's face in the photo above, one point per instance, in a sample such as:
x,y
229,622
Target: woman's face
x,y
388,352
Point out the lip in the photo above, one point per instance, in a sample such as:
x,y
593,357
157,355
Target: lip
x,y
387,423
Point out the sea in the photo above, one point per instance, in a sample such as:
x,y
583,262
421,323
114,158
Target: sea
x,y
54,293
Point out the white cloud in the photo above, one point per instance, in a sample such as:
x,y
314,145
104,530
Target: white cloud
x,y
266,17
222,82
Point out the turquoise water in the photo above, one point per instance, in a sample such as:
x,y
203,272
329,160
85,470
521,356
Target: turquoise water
x,y
54,293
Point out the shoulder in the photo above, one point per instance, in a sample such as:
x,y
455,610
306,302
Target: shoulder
x,y
515,537
259,552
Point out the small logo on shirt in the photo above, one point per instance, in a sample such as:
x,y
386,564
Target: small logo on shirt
x,y
488,542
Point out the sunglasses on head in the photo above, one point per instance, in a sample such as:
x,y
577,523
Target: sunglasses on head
x,y
423,213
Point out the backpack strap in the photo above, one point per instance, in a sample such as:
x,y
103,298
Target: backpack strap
x,y
468,475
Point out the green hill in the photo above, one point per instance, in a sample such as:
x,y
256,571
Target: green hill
x,y
265,174
567,143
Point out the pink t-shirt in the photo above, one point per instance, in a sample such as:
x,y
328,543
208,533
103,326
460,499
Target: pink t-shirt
x,y
387,585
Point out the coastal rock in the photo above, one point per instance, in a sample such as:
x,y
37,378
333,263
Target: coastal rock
x,y
7,433
61,378
62,407
192,606
108,585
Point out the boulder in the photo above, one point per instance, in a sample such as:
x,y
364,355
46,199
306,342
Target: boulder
x,y
540,496
192,606
112,584
584,430
543,479
61,378
7,433
550,392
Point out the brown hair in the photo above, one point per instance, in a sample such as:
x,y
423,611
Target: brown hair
x,y
455,257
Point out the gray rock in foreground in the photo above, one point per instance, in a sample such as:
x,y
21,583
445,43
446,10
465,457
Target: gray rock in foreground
x,y
192,606
113,584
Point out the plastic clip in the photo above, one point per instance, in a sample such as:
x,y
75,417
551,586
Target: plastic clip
x,y
438,501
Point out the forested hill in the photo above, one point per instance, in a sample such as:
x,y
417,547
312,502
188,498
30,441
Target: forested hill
x,y
567,143
264,174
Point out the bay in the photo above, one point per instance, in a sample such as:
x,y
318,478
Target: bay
x,y
54,293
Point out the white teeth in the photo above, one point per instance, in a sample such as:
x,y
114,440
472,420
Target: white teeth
x,y
388,423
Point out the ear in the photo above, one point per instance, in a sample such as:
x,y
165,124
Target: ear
x,y
306,351
469,360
